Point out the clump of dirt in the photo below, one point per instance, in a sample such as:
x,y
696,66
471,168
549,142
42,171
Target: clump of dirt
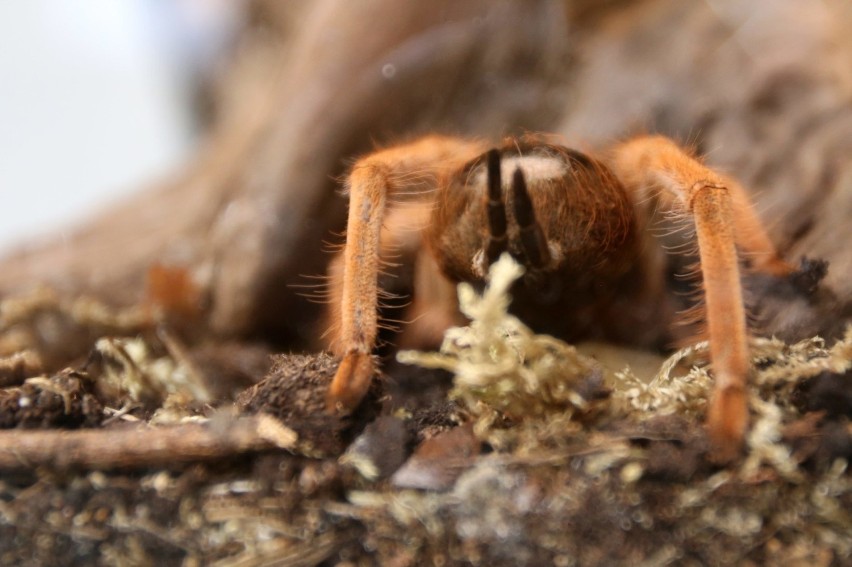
x,y
63,400
294,391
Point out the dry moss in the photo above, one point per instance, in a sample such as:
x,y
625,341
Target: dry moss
x,y
511,380
506,376
583,487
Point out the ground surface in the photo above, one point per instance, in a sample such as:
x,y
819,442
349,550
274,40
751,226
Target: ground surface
x,y
554,459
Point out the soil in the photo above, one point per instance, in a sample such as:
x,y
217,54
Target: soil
x,y
416,476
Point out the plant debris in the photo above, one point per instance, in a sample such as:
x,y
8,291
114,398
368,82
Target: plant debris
x,y
506,375
541,456
294,392
63,400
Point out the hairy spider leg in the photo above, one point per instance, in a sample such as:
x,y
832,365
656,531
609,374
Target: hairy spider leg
x,y
724,219
372,181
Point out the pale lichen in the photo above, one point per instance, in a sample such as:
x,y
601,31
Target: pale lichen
x,y
666,393
503,370
522,388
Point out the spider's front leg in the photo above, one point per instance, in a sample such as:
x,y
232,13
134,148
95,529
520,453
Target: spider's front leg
x,y
409,171
724,220
357,325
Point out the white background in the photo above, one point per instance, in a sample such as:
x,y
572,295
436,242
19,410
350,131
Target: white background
x,y
96,100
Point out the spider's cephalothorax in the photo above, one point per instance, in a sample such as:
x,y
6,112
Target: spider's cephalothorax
x,y
440,210
560,213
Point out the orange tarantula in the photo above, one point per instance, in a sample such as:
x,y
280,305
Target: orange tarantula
x,y
440,210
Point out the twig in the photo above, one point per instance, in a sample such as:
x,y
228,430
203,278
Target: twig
x,y
141,446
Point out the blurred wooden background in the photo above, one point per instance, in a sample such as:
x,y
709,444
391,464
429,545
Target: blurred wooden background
x,y
762,89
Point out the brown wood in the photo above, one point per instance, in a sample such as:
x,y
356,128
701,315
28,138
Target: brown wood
x,y
762,90
141,446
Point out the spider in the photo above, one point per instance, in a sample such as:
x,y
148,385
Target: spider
x,y
430,213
